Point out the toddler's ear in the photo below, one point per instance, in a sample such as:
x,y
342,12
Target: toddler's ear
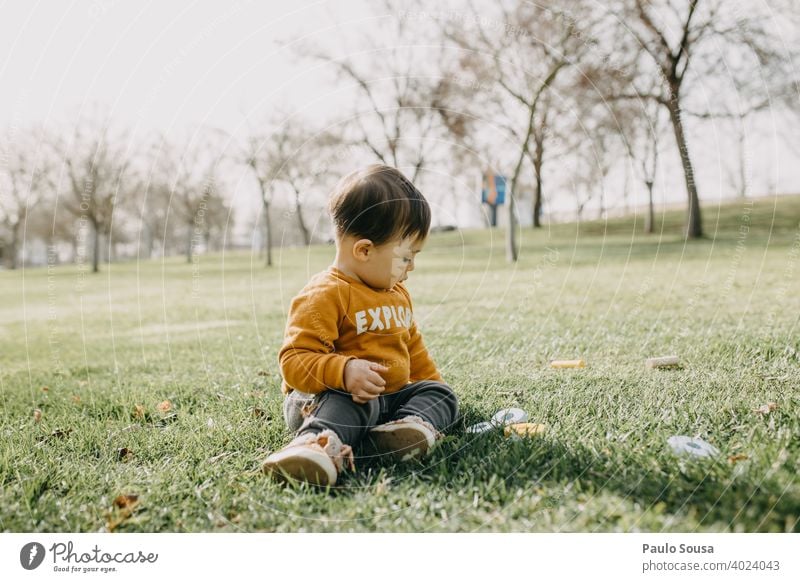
x,y
362,248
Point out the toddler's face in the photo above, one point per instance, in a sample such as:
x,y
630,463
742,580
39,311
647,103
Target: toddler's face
x,y
390,263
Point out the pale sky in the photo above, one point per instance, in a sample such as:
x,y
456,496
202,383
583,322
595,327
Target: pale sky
x,y
169,66
159,64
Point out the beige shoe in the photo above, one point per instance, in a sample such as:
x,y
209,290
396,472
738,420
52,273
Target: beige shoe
x,y
315,458
404,439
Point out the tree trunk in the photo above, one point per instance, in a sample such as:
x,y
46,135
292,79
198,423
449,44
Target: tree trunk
x,y
694,225
511,236
537,205
649,218
300,222
267,233
189,249
96,248
512,252
537,171
12,251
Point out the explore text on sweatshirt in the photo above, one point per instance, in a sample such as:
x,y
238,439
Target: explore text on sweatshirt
x,y
336,318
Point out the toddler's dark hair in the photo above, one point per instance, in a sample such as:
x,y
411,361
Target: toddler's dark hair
x,y
380,204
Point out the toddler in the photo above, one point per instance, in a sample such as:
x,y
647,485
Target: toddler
x,y
354,365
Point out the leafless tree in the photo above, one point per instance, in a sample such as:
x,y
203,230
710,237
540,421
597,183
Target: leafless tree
x,y
686,43
648,165
189,174
254,156
25,179
525,50
585,175
642,127
602,147
152,205
395,82
304,160
96,174
287,153
256,153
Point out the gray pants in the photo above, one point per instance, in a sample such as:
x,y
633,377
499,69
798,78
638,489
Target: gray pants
x,y
336,410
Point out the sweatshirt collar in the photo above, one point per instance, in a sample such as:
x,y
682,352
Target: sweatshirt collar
x,y
336,272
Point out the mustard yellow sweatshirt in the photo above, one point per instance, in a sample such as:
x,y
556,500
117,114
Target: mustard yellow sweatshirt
x,y
336,318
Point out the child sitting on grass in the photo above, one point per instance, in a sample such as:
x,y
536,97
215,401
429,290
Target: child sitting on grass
x,y
353,361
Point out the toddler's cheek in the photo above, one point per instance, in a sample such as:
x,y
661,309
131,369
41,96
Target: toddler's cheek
x,y
398,268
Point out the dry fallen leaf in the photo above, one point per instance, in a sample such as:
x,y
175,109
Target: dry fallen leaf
x,y
733,459
125,506
258,412
138,411
76,399
37,415
45,389
165,406
126,501
124,454
766,408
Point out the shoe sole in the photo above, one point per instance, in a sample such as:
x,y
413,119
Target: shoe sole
x,y
402,442
301,464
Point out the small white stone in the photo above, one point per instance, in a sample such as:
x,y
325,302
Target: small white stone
x,y
682,444
510,416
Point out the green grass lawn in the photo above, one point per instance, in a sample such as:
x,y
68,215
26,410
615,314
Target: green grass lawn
x,y
96,354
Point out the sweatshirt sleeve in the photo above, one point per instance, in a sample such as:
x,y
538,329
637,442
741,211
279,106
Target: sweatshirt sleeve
x,y
422,366
307,358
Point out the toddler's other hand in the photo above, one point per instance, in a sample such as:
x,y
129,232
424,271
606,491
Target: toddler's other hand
x,y
362,380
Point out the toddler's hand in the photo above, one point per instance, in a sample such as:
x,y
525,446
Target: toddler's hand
x,y
361,379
